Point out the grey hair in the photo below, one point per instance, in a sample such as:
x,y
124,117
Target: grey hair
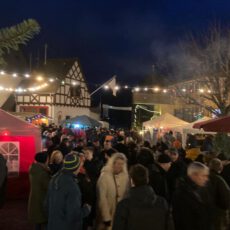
x,y
196,167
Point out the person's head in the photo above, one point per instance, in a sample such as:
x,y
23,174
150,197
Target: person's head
x,y
139,175
174,155
164,161
88,153
198,173
72,163
96,142
107,144
65,141
120,139
117,163
81,143
145,157
216,165
109,153
147,144
41,157
56,157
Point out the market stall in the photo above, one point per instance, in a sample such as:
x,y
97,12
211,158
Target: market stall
x,y
19,141
184,130
158,126
81,122
165,121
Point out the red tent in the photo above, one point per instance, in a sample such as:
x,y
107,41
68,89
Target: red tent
x,y
221,124
19,141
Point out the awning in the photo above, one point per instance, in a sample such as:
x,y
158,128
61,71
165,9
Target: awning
x,y
221,124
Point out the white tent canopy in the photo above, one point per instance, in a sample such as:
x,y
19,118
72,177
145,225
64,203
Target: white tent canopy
x,y
165,121
188,128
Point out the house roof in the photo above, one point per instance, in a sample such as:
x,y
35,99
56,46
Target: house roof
x,y
54,68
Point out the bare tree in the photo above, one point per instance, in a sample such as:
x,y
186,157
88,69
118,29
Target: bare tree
x,y
208,58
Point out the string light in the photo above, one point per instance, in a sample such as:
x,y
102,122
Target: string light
x,y
51,80
27,75
137,89
183,90
156,89
145,89
106,87
117,87
126,87
14,75
39,78
201,90
2,73
165,91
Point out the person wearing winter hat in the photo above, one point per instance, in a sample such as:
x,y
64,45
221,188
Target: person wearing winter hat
x,y
63,201
39,181
158,176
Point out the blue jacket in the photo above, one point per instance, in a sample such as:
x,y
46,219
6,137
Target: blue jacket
x,y
63,203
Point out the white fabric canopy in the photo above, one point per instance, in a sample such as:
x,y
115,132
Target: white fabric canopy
x,y
165,121
188,128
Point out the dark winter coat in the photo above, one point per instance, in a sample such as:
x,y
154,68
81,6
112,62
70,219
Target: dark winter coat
x,y
3,180
55,168
220,191
177,170
64,205
192,207
221,197
142,209
39,181
158,181
226,173
64,149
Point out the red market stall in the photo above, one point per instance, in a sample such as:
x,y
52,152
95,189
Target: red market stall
x,y
19,141
219,125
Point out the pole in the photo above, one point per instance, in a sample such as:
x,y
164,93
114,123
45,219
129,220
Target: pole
x,y
45,57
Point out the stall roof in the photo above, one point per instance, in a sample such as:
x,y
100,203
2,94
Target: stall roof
x,y
166,121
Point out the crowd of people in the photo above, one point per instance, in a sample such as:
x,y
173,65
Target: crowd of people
x,y
111,180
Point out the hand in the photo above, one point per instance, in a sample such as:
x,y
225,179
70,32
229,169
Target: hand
x,y
107,223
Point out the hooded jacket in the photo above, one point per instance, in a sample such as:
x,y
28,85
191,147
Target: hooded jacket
x,y
142,209
110,190
64,203
39,181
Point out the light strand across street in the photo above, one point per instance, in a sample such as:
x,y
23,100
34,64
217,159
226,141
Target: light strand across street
x,y
157,89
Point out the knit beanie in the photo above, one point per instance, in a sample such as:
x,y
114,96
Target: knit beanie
x,y
164,158
71,162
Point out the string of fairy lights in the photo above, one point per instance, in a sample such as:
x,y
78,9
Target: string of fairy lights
x,y
44,82
158,89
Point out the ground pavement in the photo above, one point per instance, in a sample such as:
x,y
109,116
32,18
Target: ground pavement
x,y
13,216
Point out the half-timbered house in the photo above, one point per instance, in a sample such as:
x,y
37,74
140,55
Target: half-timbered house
x,y
66,94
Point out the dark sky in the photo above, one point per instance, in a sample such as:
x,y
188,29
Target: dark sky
x,y
114,37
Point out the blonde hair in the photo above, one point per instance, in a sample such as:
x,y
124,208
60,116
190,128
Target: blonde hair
x,y
113,159
56,157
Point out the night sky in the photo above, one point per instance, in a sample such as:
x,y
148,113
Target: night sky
x,y
114,37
